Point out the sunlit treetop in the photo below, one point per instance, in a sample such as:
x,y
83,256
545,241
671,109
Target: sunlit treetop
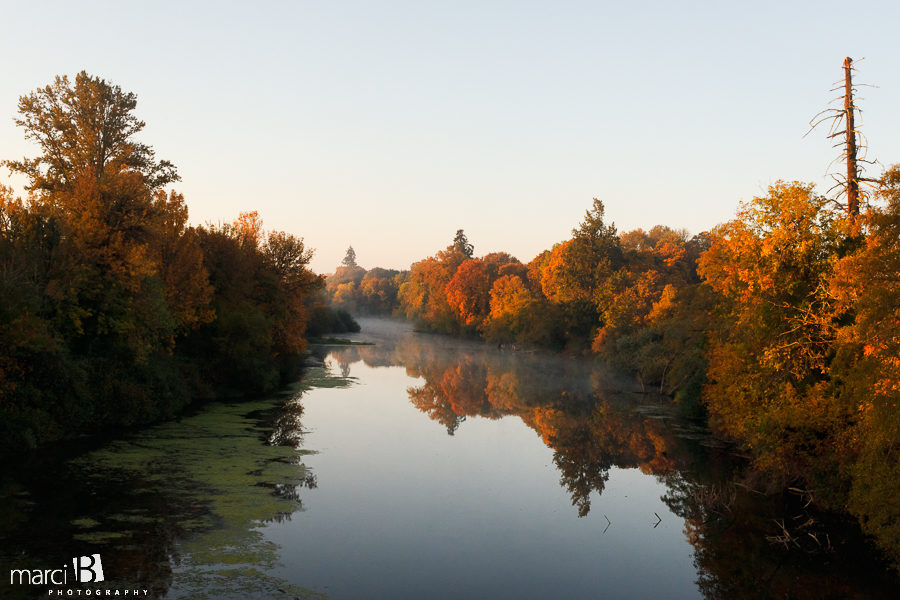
x,y
593,228
85,129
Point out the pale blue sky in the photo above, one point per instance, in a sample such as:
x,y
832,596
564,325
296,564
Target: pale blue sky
x,y
389,125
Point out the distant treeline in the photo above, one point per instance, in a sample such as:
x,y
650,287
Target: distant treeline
x,y
113,311
781,327
355,290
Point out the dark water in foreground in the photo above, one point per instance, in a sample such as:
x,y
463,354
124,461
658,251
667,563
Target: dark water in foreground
x,y
422,467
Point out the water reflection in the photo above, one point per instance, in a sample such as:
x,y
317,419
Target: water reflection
x,y
178,509
226,501
590,417
744,536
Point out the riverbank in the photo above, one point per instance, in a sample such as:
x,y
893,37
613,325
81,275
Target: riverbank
x,y
448,455
171,507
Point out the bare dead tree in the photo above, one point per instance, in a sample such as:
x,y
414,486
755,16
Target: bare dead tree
x,y
850,136
843,126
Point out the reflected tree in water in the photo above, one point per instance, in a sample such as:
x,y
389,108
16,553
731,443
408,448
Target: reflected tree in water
x,y
733,514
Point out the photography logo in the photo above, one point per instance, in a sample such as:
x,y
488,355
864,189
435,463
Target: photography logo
x,y
88,569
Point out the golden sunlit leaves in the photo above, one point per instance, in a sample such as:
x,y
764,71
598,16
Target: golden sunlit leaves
x,y
85,129
509,297
248,228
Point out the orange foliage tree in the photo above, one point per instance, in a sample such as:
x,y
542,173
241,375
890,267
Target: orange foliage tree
x,y
468,292
423,295
866,285
770,353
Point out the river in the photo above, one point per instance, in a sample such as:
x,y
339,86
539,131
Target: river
x,y
421,466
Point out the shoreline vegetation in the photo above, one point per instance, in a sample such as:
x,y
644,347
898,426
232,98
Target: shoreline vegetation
x,y
115,312
780,329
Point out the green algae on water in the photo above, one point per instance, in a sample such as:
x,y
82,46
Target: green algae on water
x,y
220,476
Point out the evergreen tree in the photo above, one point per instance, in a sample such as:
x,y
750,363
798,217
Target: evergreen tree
x,y
461,243
349,258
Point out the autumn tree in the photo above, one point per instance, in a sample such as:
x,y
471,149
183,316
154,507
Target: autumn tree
x,y
185,280
595,250
577,266
770,353
247,229
638,302
574,271
468,292
497,260
423,295
343,285
115,310
261,282
511,309
866,285
378,290
288,257
120,281
85,128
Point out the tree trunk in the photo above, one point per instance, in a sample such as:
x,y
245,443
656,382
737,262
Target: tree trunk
x,y
852,176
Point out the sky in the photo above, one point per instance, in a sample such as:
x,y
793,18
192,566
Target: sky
x,y
390,125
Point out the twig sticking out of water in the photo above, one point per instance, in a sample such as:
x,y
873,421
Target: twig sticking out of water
x,y
786,538
805,494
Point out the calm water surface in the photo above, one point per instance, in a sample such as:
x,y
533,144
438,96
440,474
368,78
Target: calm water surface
x,y
423,466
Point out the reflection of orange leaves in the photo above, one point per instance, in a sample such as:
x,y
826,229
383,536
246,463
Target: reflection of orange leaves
x,y
546,420
502,391
463,385
656,455
429,400
632,439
